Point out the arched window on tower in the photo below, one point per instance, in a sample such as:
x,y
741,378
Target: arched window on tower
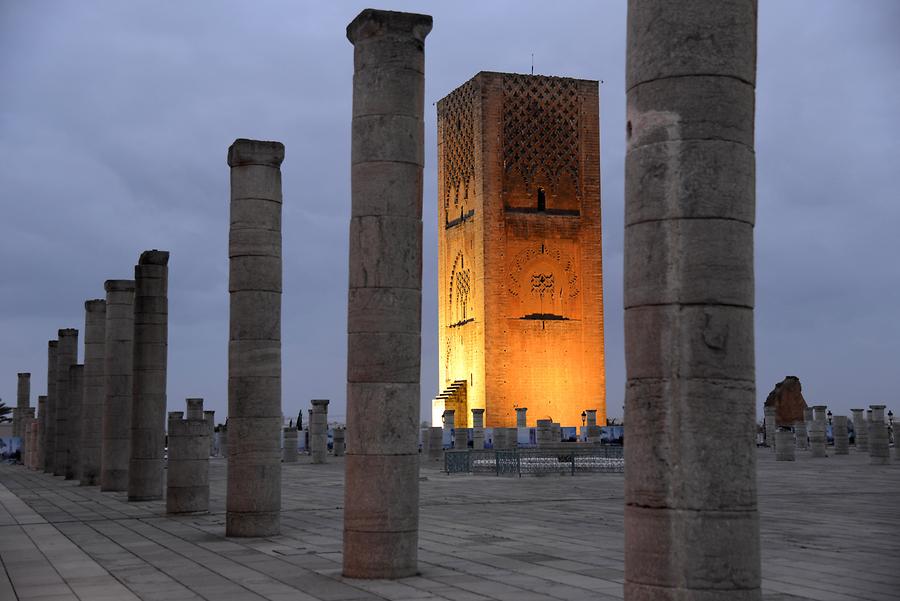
x,y
541,200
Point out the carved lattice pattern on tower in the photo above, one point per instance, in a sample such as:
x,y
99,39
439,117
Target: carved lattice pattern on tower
x,y
460,278
457,122
540,128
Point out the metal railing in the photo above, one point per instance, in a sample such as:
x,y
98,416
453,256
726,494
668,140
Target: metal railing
x,y
554,460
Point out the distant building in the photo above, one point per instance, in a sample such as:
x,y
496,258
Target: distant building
x,y
519,261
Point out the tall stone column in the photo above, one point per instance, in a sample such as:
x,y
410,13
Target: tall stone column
x,y
66,357
521,417
860,430
49,418
785,447
289,449
118,362
770,426
94,391
478,429
31,430
210,417
340,442
879,446
40,440
381,496
318,430
691,519
23,401
75,400
449,421
148,409
818,442
187,480
435,443
253,505
841,435
801,435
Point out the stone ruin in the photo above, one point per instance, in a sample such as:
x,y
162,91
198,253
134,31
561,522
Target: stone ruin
x,y
787,399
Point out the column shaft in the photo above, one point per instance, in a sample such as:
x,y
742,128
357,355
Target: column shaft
x,y
92,403
75,400
253,506
381,507
49,418
40,441
66,357
688,297
187,478
118,361
23,401
148,409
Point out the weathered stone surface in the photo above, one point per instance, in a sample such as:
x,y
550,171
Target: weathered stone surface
x,y
841,435
787,399
76,403
23,400
879,446
318,430
148,410
521,417
691,526
187,478
94,391
435,443
339,442
289,446
118,362
769,413
817,435
253,504
381,495
40,439
785,447
66,357
48,417
860,430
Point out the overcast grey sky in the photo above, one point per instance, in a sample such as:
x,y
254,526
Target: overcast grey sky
x,y
115,118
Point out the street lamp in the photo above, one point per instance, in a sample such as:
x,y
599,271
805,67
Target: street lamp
x,y
583,418
829,416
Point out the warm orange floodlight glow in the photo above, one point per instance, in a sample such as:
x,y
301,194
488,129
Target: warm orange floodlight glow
x,y
520,270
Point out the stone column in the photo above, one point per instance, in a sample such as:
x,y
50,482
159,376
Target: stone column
x,y
340,442
210,417
318,430
148,408
118,381
40,440
449,417
879,447
521,417
66,357
75,400
590,417
556,432
223,442
688,298
381,507
478,429
435,443
544,432
784,444
253,506
770,426
860,430
49,418
841,435
187,480
289,451
23,401
94,390
801,435
817,440
32,430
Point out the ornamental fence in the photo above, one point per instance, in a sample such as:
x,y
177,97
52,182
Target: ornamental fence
x,y
552,460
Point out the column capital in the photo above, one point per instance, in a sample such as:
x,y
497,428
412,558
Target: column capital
x,y
119,285
372,23
244,151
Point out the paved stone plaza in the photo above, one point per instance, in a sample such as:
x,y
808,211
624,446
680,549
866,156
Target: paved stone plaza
x,y
829,531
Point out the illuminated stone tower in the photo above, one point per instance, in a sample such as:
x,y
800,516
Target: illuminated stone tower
x,y
519,263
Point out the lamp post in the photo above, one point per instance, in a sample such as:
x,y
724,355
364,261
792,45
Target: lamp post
x,y
829,417
891,426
